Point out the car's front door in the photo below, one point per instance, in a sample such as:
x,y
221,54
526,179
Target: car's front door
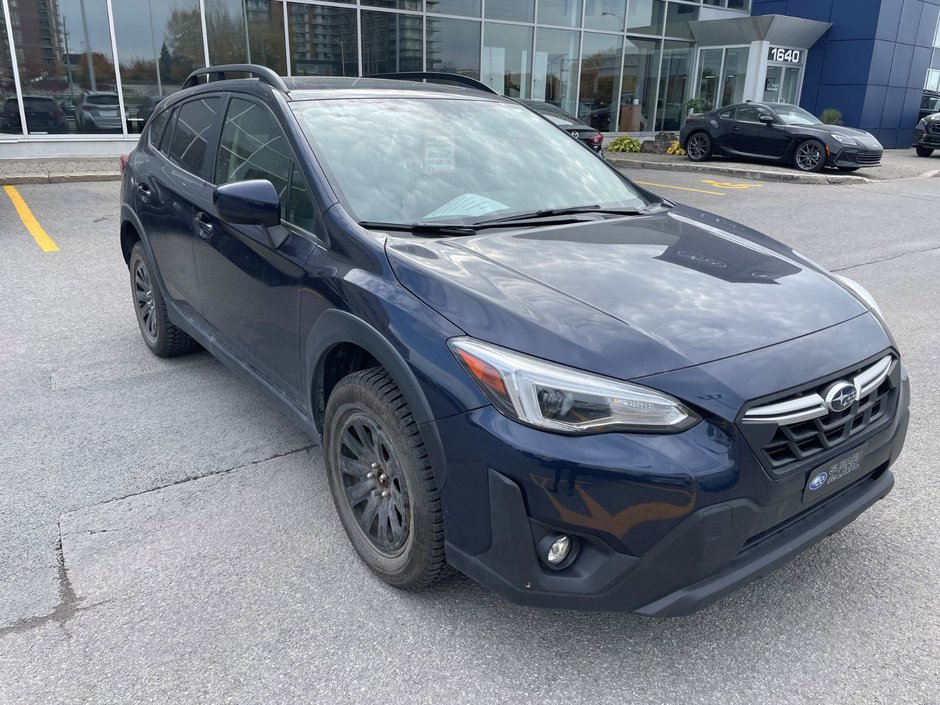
x,y
168,186
756,137
249,278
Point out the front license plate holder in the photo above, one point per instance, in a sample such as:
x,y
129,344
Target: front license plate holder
x,y
831,477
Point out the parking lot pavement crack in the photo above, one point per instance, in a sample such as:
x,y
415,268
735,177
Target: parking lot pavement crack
x,y
214,473
69,603
899,255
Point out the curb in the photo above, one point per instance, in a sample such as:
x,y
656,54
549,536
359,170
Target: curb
x,y
58,178
752,174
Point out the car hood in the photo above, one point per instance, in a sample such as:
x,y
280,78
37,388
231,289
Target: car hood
x,y
627,297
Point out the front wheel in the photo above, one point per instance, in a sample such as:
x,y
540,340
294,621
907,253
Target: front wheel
x,y
381,480
810,156
699,147
924,151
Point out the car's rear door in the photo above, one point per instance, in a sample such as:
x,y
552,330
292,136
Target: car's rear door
x,y
250,279
170,187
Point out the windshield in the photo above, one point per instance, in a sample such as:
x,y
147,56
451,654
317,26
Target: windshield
x,y
411,160
792,115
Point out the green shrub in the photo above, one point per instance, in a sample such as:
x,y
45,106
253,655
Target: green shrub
x,y
698,105
831,116
623,144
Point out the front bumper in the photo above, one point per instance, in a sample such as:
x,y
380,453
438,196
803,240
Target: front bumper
x,y
666,524
927,140
855,158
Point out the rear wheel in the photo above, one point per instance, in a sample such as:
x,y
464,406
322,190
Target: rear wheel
x,y
699,147
381,480
924,151
162,337
810,156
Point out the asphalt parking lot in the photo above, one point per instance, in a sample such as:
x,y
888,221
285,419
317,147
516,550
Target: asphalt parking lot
x,y
166,536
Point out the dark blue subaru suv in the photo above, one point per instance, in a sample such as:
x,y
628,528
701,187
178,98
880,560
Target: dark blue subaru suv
x,y
519,363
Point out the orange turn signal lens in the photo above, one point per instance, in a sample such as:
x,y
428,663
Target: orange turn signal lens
x,y
485,373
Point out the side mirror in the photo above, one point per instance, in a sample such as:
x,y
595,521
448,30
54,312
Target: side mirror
x,y
252,202
767,120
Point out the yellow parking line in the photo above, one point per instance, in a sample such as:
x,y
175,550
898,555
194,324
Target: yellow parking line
x,y
29,220
682,188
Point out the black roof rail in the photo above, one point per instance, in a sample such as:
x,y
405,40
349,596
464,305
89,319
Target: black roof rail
x,y
217,73
436,76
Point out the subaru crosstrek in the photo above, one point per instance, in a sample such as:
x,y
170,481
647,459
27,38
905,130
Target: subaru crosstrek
x,y
519,363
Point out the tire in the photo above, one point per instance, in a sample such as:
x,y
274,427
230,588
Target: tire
x,y
381,480
810,156
924,151
698,147
162,337
848,168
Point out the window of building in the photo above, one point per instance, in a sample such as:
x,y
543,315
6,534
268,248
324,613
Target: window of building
x,y
608,15
678,18
733,75
933,81
708,74
191,131
226,32
391,42
468,8
600,77
722,74
397,4
323,40
453,46
513,10
566,13
675,85
936,36
638,86
507,58
646,16
555,68
744,5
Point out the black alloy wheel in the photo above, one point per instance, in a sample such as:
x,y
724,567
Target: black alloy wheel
x,y
382,482
162,337
699,147
810,156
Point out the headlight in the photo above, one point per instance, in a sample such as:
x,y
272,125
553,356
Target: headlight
x,y
559,398
846,140
922,125
861,292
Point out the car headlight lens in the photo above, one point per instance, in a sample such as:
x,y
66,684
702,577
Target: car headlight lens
x,y
562,399
861,292
846,140
922,125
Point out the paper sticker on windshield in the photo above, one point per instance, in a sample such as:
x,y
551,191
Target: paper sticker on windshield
x,y
439,154
469,204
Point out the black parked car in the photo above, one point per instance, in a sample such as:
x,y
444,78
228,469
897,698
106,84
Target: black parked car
x,y
518,362
778,132
927,135
570,124
43,115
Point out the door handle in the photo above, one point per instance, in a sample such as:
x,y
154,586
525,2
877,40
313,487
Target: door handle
x,y
144,192
735,128
203,229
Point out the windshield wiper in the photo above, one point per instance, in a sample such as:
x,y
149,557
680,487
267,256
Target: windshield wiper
x,y
424,229
552,212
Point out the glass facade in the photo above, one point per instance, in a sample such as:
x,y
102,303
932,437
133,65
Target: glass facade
x,y
98,67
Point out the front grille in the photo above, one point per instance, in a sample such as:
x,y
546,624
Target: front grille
x,y
788,431
869,158
933,128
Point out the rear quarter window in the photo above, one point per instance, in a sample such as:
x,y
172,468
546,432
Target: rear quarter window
x,y
156,126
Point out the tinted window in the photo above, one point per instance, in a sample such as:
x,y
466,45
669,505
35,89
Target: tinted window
x,y
193,124
253,146
102,99
39,104
725,115
749,114
156,127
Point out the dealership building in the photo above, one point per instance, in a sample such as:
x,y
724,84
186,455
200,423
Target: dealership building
x,y
80,77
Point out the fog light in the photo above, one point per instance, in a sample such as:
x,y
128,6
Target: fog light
x,y
559,550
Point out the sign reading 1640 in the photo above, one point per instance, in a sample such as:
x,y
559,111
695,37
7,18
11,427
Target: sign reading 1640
x,y
785,56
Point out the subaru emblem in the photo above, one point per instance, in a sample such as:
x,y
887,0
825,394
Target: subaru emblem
x,y
841,396
818,481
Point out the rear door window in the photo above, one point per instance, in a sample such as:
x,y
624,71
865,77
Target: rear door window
x,y
192,129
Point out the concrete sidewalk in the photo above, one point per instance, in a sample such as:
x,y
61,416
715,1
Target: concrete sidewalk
x,y
58,171
896,164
